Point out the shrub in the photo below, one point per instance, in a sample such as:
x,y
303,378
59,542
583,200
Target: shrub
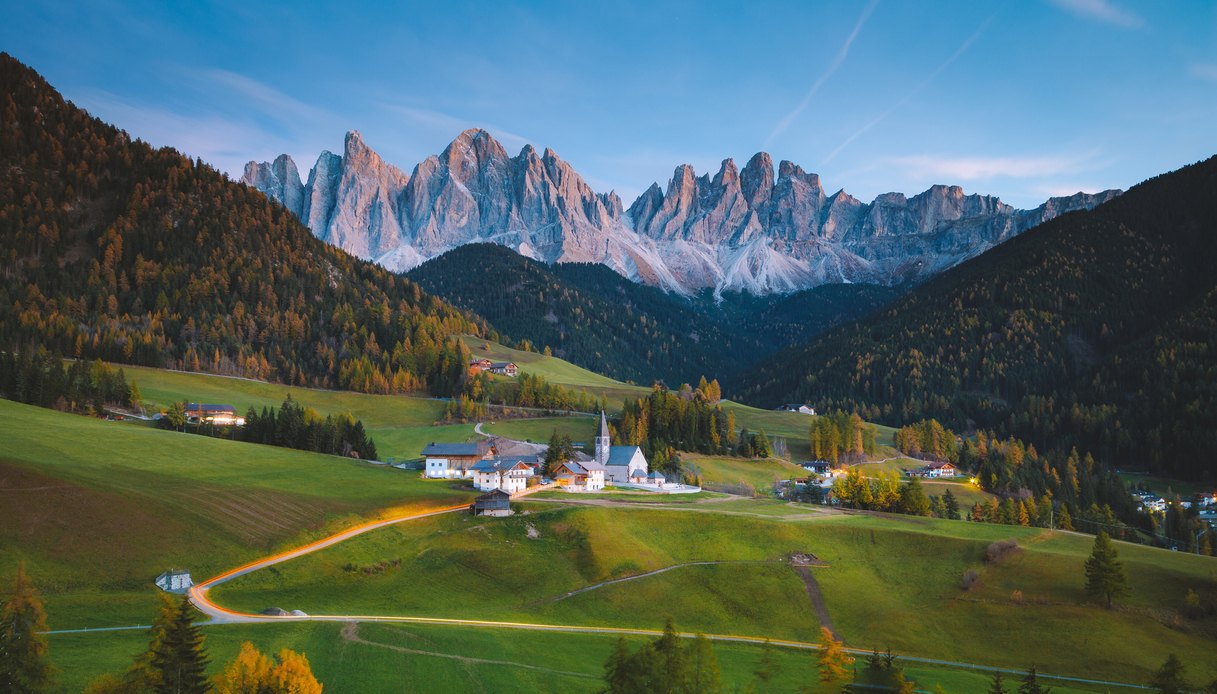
x,y
999,550
970,578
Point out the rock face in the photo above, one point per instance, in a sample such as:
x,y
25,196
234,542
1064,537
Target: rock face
x,y
738,230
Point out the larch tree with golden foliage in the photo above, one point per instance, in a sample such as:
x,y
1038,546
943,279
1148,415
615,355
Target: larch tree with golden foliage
x,y
252,672
25,665
834,661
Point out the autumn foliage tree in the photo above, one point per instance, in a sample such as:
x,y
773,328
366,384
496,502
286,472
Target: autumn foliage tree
x,y
25,666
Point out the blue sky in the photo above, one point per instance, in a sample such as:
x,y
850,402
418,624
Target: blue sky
x,y
1021,99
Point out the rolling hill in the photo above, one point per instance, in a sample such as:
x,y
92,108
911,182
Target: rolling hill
x,y
116,250
1096,329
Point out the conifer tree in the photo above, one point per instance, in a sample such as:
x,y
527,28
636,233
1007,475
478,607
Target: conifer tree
x,y
1105,577
617,669
950,505
177,655
767,668
705,677
1169,678
25,664
998,685
1031,684
834,662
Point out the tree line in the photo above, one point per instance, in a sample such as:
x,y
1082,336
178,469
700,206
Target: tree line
x,y
841,438
43,378
292,426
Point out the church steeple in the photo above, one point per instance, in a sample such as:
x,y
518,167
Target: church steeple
x,y
603,441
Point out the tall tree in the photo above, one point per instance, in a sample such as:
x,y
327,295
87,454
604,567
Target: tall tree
x,y
704,674
834,662
1169,678
25,664
176,414
1031,683
998,685
672,675
617,669
767,668
1105,577
177,654
248,673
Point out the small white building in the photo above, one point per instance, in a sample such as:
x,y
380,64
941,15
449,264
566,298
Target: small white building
x,y
174,581
507,474
453,460
936,470
797,407
620,462
579,476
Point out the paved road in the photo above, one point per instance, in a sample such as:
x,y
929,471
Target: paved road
x,y
222,615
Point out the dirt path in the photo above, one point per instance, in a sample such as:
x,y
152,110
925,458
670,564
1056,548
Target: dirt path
x,y
350,633
649,573
817,599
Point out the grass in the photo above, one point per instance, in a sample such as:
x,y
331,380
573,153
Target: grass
x,y
891,582
407,658
98,509
581,429
400,425
558,371
1163,486
721,471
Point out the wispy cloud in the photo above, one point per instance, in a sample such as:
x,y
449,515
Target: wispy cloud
x,y
955,168
963,48
1102,11
449,126
1207,71
264,97
836,63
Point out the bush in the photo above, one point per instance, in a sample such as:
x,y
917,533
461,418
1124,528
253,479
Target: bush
x,y
999,550
970,578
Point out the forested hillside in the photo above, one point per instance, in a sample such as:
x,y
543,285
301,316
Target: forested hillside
x,y
1097,329
115,250
594,317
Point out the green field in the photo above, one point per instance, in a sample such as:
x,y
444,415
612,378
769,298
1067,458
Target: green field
x,y
404,658
721,471
558,371
1165,486
580,428
98,509
891,582
400,425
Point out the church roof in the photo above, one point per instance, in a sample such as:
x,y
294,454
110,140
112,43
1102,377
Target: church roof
x,y
604,430
621,455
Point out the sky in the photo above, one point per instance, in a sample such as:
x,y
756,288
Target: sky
x,y
1023,99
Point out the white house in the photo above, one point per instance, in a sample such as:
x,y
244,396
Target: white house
x,y
620,462
579,476
174,581
797,407
507,474
939,470
453,460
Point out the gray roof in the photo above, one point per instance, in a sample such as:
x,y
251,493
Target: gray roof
x,y
604,430
574,467
457,449
498,464
639,473
657,475
620,455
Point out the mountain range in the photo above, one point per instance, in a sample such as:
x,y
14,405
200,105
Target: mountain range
x,y
742,231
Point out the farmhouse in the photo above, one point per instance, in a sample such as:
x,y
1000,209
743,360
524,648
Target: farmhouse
x,y
620,462
477,366
579,475
174,581
507,474
453,460
797,407
493,503
220,415
820,467
505,368
938,470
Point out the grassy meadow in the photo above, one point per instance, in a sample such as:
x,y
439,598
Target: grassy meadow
x,y
890,582
98,509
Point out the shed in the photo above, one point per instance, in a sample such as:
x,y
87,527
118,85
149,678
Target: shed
x,y
493,503
174,581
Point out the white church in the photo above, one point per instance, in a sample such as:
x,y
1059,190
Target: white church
x,y
621,463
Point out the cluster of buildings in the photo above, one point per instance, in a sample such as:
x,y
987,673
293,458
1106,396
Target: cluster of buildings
x,y
502,368
935,471
219,415
512,467
796,407
1205,504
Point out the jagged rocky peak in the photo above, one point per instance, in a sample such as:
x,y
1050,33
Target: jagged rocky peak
x,y
761,229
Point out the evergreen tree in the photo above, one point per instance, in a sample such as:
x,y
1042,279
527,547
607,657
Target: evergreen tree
x,y
672,675
998,685
1105,577
1031,684
618,674
176,416
833,660
1064,519
913,500
177,654
950,505
25,665
767,668
705,677
1169,678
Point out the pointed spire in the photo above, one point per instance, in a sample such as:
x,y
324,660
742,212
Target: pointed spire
x,y
604,430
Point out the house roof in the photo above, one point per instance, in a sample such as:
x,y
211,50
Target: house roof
x,y
501,364
499,464
656,475
456,449
493,495
620,456
573,467
194,407
638,473
938,466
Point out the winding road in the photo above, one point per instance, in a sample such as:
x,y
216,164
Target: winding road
x,y
222,615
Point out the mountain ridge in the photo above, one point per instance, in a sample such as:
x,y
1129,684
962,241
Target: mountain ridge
x,y
745,231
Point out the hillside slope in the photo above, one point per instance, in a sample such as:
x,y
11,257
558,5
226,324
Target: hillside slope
x,y
594,317
115,250
1097,329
